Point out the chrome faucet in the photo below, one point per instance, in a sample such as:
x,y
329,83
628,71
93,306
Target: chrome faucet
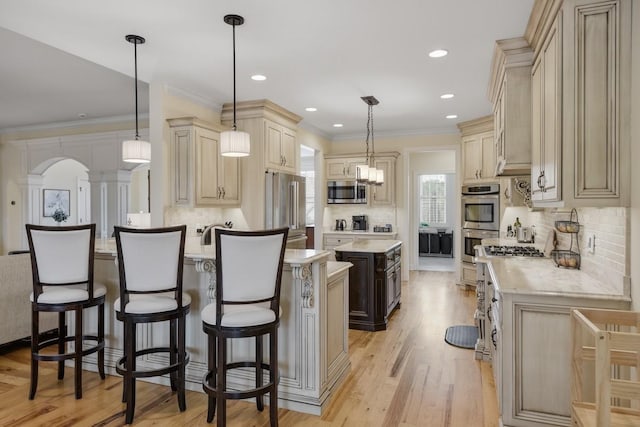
x,y
205,238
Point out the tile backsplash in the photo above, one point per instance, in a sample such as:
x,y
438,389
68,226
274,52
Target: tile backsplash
x,y
376,216
203,217
609,226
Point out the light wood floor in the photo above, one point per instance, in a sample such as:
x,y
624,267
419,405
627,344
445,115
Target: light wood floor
x,y
404,376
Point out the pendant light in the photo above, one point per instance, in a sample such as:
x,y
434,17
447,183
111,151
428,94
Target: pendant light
x,y
234,143
367,173
136,150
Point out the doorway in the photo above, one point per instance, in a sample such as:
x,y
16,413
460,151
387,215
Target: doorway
x,y
433,196
308,170
69,176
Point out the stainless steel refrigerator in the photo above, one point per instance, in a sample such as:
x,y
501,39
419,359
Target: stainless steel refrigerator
x,y
285,206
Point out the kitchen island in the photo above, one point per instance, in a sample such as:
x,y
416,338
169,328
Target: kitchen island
x,y
374,281
312,343
523,308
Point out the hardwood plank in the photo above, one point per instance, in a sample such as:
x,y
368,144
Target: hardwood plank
x,y
404,376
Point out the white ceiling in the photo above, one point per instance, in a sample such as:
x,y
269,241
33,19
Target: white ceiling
x,y
65,57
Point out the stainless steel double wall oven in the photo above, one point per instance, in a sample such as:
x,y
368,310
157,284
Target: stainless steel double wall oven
x,y
480,216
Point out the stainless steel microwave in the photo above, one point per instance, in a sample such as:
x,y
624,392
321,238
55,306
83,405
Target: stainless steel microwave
x,y
346,192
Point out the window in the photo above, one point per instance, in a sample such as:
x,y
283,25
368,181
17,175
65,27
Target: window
x,y
433,200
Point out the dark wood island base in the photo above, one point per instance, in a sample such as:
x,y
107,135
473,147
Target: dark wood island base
x,y
374,281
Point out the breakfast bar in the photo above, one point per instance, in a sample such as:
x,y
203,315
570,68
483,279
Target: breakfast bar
x,y
312,344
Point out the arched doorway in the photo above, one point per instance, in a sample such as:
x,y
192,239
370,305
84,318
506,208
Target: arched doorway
x,y
69,178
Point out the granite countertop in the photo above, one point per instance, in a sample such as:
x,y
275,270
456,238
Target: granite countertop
x,y
540,276
369,245
195,251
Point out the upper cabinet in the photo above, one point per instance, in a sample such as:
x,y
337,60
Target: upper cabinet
x,y
200,175
510,94
274,147
581,102
342,168
281,151
478,150
385,194
273,133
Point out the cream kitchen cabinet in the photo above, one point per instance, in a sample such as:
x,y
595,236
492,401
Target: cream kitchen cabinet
x,y
200,175
525,306
281,151
274,147
385,194
342,168
581,103
510,94
546,109
478,150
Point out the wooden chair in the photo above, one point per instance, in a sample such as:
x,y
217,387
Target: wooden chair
x,y
150,263
608,341
62,261
247,304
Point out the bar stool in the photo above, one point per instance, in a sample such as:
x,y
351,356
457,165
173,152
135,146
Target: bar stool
x,y
247,304
62,267
150,263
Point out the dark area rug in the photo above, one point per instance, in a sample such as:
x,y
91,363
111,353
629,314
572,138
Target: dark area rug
x,y
462,336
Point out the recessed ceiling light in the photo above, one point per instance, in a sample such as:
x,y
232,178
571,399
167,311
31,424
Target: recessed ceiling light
x,y
258,77
452,116
447,96
438,53
337,125
311,109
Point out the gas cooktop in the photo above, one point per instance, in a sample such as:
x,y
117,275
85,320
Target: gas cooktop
x,y
524,251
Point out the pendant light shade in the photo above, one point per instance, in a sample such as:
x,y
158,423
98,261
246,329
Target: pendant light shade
x,y
234,143
136,150
368,173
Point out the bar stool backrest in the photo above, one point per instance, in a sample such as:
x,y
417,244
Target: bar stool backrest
x,y
249,266
61,255
150,260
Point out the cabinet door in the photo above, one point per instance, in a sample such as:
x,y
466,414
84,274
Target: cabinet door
x,y
391,293
288,150
208,189
273,144
229,180
384,194
336,169
351,166
552,113
488,167
472,155
536,130
182,166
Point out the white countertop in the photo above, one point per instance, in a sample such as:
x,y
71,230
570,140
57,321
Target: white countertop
x,y
531,275
369,245
361,233
194,251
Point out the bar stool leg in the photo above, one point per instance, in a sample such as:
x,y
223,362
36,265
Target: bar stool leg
x,y
259,400
182,403
62,334
78,354
35,342
173,353
221,383
273,377
101,340
130,381
211,345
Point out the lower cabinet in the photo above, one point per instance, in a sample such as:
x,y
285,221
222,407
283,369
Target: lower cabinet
x,y
374,287
530,342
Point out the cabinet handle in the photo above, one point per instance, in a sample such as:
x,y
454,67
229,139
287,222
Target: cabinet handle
x,y
284,159
218,192
223,192
489,314
494,332
480,174
343,171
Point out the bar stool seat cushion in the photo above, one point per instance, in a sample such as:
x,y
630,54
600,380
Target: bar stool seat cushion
x,y
240,315
66,294
156,303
